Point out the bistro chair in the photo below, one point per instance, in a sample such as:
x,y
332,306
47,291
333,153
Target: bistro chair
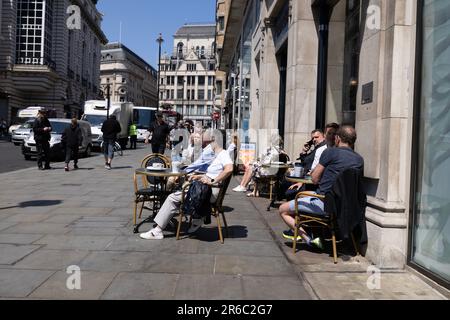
x,y
149,160
217,208
329,220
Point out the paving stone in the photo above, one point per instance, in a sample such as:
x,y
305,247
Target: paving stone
x,y
52,259
141,286
241,248
20,283
93,284
274,288
180,263
40,228
10,253
114,261
62,219
28,217
99,231
270,266
19,238
209,287
82,211
66,242
6,225
98,224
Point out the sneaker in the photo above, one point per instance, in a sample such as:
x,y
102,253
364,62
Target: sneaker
x,y
152,235
196,224
66,169
108,167
289,235
75,167
318,243
240,189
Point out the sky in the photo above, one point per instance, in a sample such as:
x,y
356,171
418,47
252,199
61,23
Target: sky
x,y
143,20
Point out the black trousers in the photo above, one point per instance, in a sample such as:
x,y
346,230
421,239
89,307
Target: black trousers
x,y
159,148
133,142
72,152
43,153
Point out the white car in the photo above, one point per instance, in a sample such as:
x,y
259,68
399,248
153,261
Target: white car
x,y
56,149
22,133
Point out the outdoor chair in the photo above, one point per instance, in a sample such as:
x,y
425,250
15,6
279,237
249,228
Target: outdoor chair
x,y
217,209
149,186
349,186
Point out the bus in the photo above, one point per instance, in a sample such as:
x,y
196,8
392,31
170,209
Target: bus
x,y
171,117
143,117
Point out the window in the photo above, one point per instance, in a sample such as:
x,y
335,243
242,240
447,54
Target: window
x,y
201,110
210,94
201,80
219,87
208,111
221,23
210,80
192,67
201,94
211,67
180,94
180,80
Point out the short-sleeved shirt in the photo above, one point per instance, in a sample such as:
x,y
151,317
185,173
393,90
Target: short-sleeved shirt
x,y
318,155
160,132
218,165
335,161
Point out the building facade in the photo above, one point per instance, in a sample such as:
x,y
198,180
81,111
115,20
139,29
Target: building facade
x,y
49,55
188,75
131,79
380,65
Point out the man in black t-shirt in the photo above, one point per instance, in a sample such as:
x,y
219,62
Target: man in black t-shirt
x,y
159,131
332,162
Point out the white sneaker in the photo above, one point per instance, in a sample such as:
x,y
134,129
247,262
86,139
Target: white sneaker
x,y
152,235
196,224
240,189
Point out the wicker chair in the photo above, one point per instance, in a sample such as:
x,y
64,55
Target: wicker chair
x,y
217,208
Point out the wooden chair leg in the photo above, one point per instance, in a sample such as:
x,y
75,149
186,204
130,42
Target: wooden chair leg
x,y
294,244
219,228
354,244
142,209
135,213
334,246
225,223
180,222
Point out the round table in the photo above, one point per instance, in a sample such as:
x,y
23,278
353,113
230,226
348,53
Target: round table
x,y
161,193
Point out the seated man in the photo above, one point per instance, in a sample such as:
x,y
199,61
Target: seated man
x,y
332,162
218,171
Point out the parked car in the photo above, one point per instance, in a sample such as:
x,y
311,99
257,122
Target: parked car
x,y
22,133
57,151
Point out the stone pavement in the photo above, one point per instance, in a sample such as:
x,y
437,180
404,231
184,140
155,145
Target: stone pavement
x,y
52,220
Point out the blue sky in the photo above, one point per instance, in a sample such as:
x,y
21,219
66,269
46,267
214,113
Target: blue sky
x,y
143,20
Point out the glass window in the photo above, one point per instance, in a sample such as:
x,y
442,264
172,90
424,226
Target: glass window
x,y
431,233
201,94
200,110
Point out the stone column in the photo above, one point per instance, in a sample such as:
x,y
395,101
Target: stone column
x,y
384,126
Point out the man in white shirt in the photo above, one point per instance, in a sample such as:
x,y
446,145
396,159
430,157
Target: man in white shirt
x,y
218,171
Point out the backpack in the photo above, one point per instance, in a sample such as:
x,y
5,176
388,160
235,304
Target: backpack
x,y
197,202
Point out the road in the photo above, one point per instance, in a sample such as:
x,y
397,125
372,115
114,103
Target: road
x,y
11,158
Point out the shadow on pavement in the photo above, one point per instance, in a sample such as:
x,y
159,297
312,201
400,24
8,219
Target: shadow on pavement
x,y
36,203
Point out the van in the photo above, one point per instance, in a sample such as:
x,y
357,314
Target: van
x,y
57,152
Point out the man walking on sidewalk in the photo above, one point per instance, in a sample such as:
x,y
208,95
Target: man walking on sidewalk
x,y
110,129
159,131
42,136
72,139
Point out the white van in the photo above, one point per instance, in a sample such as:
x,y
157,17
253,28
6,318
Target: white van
x,y
56,149
28,114
143,117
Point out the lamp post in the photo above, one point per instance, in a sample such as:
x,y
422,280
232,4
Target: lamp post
x,y
160,40
108,97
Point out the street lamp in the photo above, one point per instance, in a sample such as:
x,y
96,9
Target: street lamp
x,y
108,97
160,40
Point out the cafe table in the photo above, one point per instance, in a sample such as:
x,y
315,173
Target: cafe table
x,y
159,191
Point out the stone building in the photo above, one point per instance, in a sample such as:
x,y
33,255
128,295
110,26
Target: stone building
x,y
188,74
131,79
381,65
49,55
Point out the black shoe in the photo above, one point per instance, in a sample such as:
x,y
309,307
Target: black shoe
x,y
75,167
41,168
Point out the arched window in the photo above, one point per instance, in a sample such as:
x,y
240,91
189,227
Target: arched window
x,y
180,49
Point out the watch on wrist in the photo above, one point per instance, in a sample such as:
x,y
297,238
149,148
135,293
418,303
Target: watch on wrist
x,y
212,180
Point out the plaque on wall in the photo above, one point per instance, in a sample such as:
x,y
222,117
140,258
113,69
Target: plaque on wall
x,y
367,93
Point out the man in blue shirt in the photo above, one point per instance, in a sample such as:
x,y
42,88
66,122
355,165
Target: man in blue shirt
x,y
332,162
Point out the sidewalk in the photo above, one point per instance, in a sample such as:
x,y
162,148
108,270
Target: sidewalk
x,y
51,220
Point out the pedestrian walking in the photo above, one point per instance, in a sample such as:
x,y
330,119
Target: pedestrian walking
x,y
159,131
72,138
133,136
110,129
42,135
